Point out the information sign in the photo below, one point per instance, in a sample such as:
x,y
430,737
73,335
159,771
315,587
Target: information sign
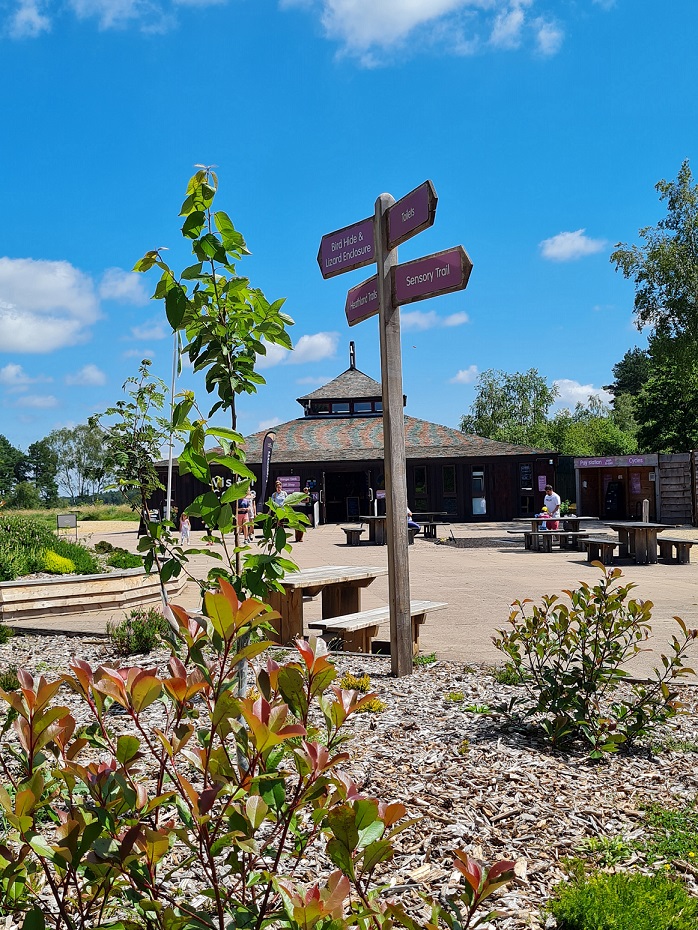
x,y
430,276
362,301
347,248
413,213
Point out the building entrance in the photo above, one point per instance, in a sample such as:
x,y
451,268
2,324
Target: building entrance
x,y
346,495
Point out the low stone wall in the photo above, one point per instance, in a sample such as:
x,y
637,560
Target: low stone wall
x,y
71,594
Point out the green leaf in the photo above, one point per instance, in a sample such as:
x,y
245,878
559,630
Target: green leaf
x,y
34,920
341,857
377,852
193,224
126,748
176,305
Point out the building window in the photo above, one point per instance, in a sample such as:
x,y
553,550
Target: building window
x,y
421,501
320,407
363,406
340,408
449,479
378,406
478,492
526,477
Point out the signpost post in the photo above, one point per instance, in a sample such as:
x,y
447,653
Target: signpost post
x,y
376,240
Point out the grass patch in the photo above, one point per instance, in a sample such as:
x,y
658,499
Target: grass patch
x,y
455,697
623,902
506,674
6,632
84,512
141,631
8,679
427,658
674,744
606,850
672,834
122,558
351,682
24,548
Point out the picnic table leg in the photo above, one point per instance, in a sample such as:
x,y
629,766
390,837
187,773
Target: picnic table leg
x,y
380,532
341,599
417,621
290,605
624,543
643,550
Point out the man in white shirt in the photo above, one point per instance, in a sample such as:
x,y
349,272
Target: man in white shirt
x,y
552,502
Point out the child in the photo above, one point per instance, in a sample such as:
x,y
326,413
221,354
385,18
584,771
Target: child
x,y
184,530
543,513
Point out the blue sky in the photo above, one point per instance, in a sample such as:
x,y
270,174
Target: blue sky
x,y
543,126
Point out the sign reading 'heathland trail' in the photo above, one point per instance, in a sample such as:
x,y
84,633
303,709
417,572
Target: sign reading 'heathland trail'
x,y
346,249
412,214
430,276
362,301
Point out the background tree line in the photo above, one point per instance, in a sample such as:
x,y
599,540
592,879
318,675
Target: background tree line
x,y
654,406
68,465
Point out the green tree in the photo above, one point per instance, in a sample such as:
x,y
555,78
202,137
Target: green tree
x,y
24,496
667,407
665,266
511,407
630,373
10,461
40,467
83,463
590,429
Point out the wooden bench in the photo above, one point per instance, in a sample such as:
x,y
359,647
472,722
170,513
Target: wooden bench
x,y
429,528
600,549
357,631
667,544
543,540
353,534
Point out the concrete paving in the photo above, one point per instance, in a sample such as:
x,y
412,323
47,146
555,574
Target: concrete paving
x,y
479,581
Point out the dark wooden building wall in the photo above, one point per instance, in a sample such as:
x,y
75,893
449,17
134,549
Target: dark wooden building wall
x,y
676,487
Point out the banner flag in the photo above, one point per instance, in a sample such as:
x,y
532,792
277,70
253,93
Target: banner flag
x,y
267,446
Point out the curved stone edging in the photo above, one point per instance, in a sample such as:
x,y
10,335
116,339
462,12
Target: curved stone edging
x,y
72,594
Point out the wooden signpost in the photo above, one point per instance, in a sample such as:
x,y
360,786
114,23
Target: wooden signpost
x,y
376,240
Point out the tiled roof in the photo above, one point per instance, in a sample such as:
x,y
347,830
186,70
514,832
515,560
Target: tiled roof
x,y
352,384
317,439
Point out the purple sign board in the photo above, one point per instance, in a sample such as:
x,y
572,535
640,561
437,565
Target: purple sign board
x,y
430,276
411,214
290,483
362,301
346,249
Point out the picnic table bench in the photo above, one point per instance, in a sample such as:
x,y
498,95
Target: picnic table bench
x,y
542,540
356,631
353,534
600,549
429,528
667,544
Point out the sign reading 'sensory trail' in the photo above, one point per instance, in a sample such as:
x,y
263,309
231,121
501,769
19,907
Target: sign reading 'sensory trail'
x,y
431,276
376,240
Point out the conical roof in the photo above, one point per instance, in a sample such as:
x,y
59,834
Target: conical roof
x,y
352,384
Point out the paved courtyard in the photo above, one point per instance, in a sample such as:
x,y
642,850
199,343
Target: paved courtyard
x,y
478,581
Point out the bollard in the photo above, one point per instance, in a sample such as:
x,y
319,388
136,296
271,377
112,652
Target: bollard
x,y
645,511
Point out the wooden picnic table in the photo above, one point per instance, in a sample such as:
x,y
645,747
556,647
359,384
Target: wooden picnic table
x,y
569,523
376,529
340,586
638,540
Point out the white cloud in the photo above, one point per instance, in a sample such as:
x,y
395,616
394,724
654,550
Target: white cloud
x,y
419,320
572,392
38,401
308,349
152,330
569,246
508,26
116,14
268,424
88,376
367,29
312,380
456,319
44,305
465,375
549,37
14,377
140,353
125,286
28,20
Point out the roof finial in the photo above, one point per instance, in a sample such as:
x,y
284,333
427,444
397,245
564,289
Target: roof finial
x,y
352,356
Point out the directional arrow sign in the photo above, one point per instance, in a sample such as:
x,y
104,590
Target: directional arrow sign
x,y
346,249
362,301
430,276
413,213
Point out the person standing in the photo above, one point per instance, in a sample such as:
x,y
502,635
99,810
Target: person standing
x,y
184,530
279,495
552,502
244,517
